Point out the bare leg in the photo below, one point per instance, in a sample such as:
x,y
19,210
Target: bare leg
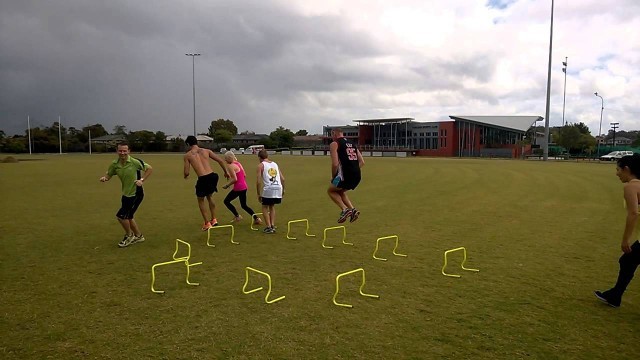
x,y
134,227
335,195
272,215
345,199
203,209
266,215
212,207
125,225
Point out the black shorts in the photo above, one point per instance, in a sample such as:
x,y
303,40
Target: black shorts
x,y
346,183
130,205
207,185
271,201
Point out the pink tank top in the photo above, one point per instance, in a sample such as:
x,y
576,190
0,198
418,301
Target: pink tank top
x,y
241,183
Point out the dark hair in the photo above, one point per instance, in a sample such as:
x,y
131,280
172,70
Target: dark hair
x,y
123,143
632,162
263,154
191,140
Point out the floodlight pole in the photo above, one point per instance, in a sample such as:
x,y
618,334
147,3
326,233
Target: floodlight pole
x,y
29,132
614,126
60,134
600,131
564,96
193,58
545,150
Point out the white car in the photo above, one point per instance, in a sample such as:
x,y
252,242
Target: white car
x,y
615,155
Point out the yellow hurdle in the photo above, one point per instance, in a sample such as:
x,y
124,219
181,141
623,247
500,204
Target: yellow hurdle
x,y
233,231
246,282
182,259
344,236
464,260
361,286
253,218
295,221
394,248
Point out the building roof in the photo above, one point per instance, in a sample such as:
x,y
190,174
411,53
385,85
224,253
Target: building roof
x,y
520,123
383,121
182,137
249,137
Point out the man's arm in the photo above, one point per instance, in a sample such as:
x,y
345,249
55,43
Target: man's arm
x,y
220,162
147,172
110,172
259,180
360,159
631,198
335,162
281,180
186,167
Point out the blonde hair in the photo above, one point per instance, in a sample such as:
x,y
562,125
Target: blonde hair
x,y
229,155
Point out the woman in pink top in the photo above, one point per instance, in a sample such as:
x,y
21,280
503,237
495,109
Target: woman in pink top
x,y
238,180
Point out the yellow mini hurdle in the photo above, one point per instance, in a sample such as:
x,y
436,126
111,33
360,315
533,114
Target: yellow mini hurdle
x,y
233,231
295,221
464,260
344,236
394,248
246,282
361,287
182,259
253,219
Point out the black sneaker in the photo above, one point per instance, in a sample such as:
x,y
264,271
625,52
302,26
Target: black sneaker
x,y
344,215
606,298
355,213
269,230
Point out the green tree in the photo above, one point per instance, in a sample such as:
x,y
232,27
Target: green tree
x,y
575,138
97,130
222,124
119,130
15,145
160,141
2,135
282,137
222,136
301,133
140,140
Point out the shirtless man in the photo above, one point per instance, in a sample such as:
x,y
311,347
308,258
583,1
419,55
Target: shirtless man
x,y
207,182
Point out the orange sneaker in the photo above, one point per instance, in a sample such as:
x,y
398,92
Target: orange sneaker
x,y
206,226
214,222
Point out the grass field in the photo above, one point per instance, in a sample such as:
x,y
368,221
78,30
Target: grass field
x,y
544,236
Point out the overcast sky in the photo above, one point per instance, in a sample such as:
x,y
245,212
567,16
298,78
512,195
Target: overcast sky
x,y
303,64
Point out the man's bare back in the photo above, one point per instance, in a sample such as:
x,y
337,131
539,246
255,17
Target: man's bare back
x,y
198,158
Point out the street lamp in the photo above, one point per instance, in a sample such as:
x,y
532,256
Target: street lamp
x,y
545,150
193,61
564,97
600,131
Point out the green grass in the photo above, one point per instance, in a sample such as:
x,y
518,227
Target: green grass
x,y
544,235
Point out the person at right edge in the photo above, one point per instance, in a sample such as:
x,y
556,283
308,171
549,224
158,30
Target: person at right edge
x,y
628,171
346,161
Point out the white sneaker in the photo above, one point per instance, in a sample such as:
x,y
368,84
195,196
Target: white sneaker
x,y
126,241
138,239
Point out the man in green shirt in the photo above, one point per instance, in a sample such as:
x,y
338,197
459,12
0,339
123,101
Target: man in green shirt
x,y
129,171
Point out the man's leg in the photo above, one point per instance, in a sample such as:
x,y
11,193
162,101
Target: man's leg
x,y
134,227
272,215
125,225
628,265
266,215
335,195
203,209
345,199
212,209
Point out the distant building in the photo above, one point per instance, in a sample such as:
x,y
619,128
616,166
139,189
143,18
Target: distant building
x,y
308,141
619,141
249,139
462,136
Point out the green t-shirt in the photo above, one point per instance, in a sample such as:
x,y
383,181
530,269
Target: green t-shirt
x,y
128,173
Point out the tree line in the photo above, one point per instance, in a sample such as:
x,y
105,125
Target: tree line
x,y
47,139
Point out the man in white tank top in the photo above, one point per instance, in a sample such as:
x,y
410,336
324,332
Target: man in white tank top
x,y
270,181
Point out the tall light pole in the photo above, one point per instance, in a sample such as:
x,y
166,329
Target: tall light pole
x,y
564,96
29,132
60,134
545,150
600,131
193,61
